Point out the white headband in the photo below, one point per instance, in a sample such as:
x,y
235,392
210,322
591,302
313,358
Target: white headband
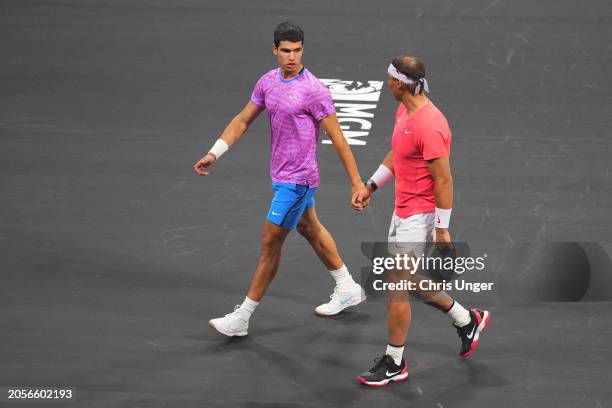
x,y
403,78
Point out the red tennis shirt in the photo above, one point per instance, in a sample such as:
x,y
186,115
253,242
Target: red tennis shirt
x,y
417,137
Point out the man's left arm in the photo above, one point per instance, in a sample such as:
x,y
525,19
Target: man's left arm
x,y
332,128
443,191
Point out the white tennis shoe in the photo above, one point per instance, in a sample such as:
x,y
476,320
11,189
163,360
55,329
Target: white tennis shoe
x,y
340,300
232,324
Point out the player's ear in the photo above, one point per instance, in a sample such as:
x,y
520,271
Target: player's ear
x,y
274,49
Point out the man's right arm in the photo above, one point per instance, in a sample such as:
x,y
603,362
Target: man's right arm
x,y
241,122
233,131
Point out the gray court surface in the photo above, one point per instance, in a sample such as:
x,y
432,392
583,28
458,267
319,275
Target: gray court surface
x,y
114,254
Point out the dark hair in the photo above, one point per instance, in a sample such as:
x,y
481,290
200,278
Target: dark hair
x,y
412,67
287,31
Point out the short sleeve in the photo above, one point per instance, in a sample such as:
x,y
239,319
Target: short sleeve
x,y
321,103
436,142
258,96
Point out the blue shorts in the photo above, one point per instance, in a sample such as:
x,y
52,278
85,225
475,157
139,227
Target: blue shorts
x,y
289,203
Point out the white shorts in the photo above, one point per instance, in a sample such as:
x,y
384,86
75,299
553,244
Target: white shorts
x,y
411,234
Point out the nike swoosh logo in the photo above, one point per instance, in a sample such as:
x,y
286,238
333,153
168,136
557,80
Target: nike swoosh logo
x,y
407,132
472,333
273,213
345,301
390,374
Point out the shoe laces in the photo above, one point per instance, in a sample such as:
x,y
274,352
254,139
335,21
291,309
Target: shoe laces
x,y
378,362
463,329
335,293
235,312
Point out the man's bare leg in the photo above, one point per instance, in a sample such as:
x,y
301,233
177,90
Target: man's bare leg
x,y
320,239
347,292
237,323
272,240
399,316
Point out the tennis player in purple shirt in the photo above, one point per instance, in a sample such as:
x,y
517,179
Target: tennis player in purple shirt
x,y
297,104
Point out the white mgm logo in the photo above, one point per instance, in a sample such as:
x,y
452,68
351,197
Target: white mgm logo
x,y
353,100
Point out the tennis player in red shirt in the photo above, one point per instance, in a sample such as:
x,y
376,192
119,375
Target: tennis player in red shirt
x,y
419,161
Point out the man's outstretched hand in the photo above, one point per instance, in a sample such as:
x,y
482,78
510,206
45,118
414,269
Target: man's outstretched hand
x,y
202,164
361,198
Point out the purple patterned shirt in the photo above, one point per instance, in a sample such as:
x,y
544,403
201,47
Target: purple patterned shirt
x,y
295,107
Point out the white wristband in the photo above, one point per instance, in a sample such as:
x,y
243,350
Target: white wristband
x,y
219,148
381,176
443,217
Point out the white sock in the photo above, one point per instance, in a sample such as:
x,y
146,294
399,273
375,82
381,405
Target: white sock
x,y
459,314
396,353
248,307
343,278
